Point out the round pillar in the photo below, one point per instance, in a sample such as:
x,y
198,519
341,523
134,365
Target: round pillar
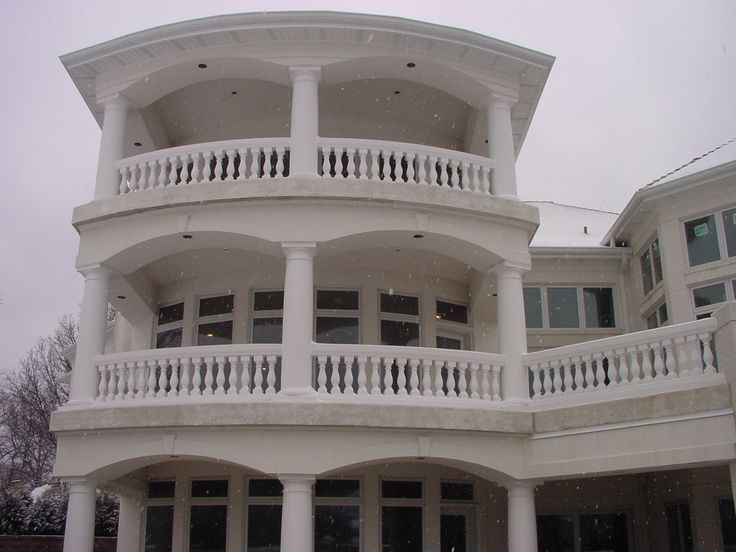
x,y
79,534
297,526
130,519
304,120
92,327
501,146
296,359
522,518
112,146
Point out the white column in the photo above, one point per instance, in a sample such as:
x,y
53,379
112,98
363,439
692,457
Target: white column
x,y
296,359
92,325
501,146
304,120
511,330
111,145
130,520
297,526
79,534
522,518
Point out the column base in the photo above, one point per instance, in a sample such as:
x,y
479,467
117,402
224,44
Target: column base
x,y
298,392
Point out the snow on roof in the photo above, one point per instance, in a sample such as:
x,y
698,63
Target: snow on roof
x,y
717,156
569,226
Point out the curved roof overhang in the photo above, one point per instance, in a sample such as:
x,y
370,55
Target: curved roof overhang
x,y
271,42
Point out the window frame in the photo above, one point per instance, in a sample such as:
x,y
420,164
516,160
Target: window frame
x,y
451,329
721,242
391,316
337,313
208,501
254,314
656,312
649,249
179,324
213,318
729,282
577,513
167,501
580,296
403,503
355,501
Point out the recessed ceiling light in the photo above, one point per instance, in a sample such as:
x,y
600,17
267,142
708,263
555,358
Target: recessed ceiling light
x,y
202,66
418,236
137,144
234,92
486,141
411,65
397,91
187,236
122,297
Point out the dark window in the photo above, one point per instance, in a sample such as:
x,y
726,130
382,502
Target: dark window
x,y
453,533
679,530
396,332
171,313
709,295
329,299
598,304
646,271
604,532
652,321
168,338
729,226
216,333
207,528
401,529
533,307
268,300
267,330
445,342
702,240
264,487
159,528
337,329
401,489
555,534
456,491
161,489
399,304
209,488
264,527
211,306
728,524
337,488
662,312
452,312
336,528
657,262
562,304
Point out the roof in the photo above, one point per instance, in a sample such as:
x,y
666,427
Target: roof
x,y
569,226
717,156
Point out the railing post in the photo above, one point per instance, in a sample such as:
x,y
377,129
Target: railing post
x,y
501,145
79,534
522,518
304,120
724,339
112,145
296,360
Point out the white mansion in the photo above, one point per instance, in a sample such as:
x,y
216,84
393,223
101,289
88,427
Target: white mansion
x,y
339,329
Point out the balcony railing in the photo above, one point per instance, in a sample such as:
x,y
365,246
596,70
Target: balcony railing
x,y
264,158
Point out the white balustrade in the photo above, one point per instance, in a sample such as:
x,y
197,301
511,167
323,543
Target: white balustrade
x,y
404,163
227,161
406,373
186,373
648,357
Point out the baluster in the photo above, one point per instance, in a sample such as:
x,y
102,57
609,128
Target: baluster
x,y
102,388
246,380
375,375
242,165
579,377
351,163
255,161
174,378
196,168
150,382
414,377
209,376
669,359
589,373
496,383
322,374
161,366
438,365
708,358
485,384
462,382
683,359
185,176
395,172
197,377
112,384
218,172
207,169
348,377
271,377
388,379
600,373
271,162
410,160
658,363
151,180
546,370
451,382
455,177
612,374
536,382
133,179
335,375
556,376
464,175
232,376
472,175
362,166
186,364
162,180
140,382
120,395
426,378
623,367
142,176
646,362
401,376
132,368
123,182
634,367
444,165
696,361
375,167
474,380
567,379
230,170
325,161
485,180
422,169
258,375
362,390
280,161
220,378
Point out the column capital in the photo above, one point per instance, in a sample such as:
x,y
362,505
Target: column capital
x,y
509,267
94,271
79,484
295,483
305,72
521,487
498,99
299,249
115,101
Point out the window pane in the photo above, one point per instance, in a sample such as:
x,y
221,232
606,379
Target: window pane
x,y
168,339
337,488
216,305
709,295
334,329
264,487
268,300
267,330
729,225
453,533
562,304
209,488
657,262
444,342
662,311
456,491
599,308
394,332
207,528
652,321
401,489
161,489
533,307
159,528
679,530
728,524
336,528
264,528
452,312
555,534
217,333
702,240
646,272
401,529
331,299
604,532
399,304
171,313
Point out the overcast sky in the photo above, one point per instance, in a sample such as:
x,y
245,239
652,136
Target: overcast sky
x,y
639,87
